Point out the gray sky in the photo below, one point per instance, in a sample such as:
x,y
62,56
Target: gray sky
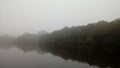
x,y
18,16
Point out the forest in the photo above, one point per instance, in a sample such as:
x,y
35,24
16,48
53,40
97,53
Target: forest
x,y
96,43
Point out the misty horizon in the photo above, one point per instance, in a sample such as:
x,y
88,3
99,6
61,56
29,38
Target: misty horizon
x,y
59,33
32,16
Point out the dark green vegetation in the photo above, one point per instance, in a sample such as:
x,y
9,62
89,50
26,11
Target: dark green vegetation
x,y
97,44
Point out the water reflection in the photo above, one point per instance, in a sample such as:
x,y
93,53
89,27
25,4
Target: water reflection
x,y
102,60
15,57
26,53
21,56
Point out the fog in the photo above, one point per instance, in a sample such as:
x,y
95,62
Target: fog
x,y
19,16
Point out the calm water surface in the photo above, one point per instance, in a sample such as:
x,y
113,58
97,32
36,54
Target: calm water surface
x,y
14,57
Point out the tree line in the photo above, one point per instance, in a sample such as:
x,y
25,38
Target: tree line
x,y
97,41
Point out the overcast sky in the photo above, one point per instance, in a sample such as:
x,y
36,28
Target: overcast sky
x,y
19,16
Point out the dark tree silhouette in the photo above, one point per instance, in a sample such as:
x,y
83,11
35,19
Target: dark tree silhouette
x,y
97,43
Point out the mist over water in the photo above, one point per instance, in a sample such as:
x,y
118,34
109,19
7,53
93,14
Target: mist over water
x,y
15,57
35,60
59,33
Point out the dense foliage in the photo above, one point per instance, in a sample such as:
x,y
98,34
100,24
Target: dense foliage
x,y
101,39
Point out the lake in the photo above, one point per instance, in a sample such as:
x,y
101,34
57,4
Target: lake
x,y
15,57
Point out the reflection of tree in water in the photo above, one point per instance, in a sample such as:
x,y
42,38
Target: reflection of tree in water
x,y
29,42
96,44
30,48
95,56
